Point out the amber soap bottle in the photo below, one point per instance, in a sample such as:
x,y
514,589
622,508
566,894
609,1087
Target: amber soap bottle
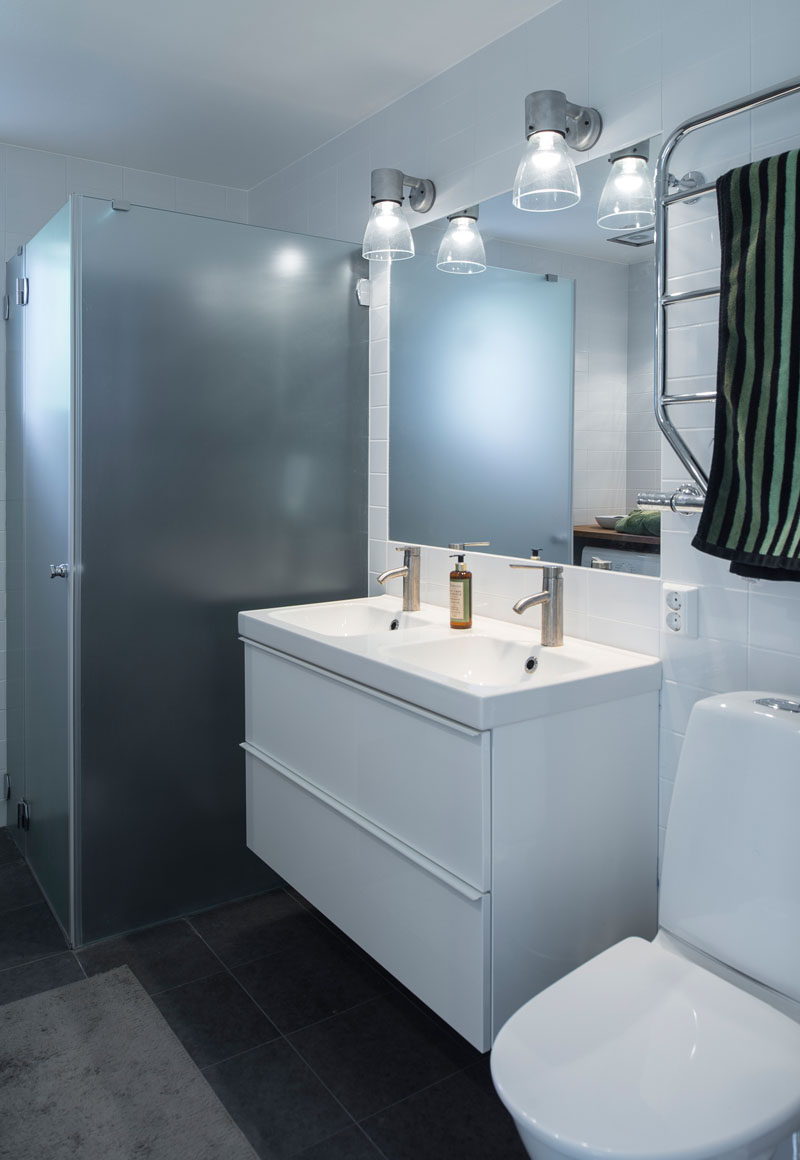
x,y
461,586
460,595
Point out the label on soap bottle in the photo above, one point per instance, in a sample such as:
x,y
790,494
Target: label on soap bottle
x,y
460,600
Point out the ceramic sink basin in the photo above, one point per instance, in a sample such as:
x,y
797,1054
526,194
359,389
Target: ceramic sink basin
x,y
477,659
480,677
348,618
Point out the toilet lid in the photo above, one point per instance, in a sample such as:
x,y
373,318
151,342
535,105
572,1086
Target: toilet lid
x,y
641,1053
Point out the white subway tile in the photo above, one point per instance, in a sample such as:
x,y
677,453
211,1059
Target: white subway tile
x,y
379,490
379,456
200,197
774,672
379,357
625,597
378,525
379,422
378,323
622,634
377,555
151,189
670,745
379,390
775,619
718,665
677,702
94,178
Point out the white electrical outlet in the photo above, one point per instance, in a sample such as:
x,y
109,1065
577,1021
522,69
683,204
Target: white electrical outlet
x,y
680,608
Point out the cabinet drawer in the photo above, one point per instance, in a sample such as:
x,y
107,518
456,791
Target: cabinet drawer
x,y
431,934
422,778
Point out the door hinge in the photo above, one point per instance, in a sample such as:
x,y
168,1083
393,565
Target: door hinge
x,y
5,308
362,291
121,206
6,787
23,815
23,291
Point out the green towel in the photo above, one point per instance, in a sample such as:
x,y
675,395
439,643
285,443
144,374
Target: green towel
x,y
640,523
752,514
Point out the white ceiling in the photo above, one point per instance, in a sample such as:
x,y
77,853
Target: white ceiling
x,y
225,92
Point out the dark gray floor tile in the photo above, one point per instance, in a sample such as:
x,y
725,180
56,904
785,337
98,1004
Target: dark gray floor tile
x,y
17,886
316,976
351,1144
380,1052
459,1118
161,957
9,851
276,1100
29,933
242,931
43,975
214,1018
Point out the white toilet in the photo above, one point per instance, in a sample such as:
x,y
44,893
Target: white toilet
x,y
688,1046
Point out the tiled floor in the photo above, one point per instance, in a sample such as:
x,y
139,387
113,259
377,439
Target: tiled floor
x,y
314,1050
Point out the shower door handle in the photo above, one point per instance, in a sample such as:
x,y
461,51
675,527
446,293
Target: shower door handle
x,y
58,571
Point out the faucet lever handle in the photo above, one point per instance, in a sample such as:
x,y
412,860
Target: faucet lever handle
x,y
471,544
412,548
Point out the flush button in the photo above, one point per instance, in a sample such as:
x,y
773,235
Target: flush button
x,y
776,703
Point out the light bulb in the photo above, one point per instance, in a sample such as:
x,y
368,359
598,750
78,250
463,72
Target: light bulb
x,y
628,199
547,178
387,237
461,250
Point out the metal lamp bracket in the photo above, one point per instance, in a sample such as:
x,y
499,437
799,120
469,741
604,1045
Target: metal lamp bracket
x,y
422,193
640,149
388,185
548,110
470,212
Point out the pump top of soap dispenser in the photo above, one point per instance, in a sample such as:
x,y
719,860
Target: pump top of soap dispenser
x,y
459,549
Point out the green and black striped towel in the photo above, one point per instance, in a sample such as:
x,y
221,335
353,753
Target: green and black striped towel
x,y
752,514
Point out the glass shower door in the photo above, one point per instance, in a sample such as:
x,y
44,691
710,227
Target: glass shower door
x,y
15,563
46,539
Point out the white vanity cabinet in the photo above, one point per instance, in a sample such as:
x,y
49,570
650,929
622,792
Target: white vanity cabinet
x,y
477,866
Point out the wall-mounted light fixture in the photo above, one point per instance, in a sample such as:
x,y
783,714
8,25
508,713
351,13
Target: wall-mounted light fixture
x,y
387,237
628,198
461,250
547,178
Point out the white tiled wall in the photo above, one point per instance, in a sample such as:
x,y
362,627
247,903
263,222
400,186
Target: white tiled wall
x,y
643,441
33,185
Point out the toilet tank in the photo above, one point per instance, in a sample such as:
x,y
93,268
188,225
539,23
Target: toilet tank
x,y
730,884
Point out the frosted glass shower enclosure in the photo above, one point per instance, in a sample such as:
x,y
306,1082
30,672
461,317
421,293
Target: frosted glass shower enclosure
x,y
187,436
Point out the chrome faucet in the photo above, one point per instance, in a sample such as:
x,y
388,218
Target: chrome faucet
x,y
551,599
410,574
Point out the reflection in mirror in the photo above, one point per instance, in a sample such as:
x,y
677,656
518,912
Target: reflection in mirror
x,y
613,444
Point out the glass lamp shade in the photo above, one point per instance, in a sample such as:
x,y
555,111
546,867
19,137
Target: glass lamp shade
x,y
461,250
628,198
546,179
387,237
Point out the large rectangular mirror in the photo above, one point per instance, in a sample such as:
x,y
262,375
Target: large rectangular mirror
x,y
507,424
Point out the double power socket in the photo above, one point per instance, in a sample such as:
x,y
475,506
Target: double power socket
x,y
680,608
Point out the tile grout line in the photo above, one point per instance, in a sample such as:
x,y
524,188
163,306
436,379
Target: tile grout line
x,y
280,1033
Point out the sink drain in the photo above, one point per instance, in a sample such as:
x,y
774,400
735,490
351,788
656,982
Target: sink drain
x,y
531,664
394,625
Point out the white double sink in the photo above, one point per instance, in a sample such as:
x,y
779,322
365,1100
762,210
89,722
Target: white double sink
x,y
492,674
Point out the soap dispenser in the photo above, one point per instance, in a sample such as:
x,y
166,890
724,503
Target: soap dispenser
x,y
461,586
